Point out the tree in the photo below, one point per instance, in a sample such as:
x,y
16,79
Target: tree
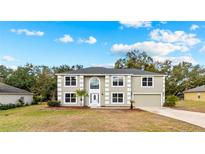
x,y
45,84
179,77
22,78
136,59
81,93
4,73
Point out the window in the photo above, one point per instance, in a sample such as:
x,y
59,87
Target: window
x,y
117,81
117,98
199,96
70,81
94,83
147,82
70,98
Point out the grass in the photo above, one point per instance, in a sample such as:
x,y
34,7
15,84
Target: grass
x,y
42,118
196,106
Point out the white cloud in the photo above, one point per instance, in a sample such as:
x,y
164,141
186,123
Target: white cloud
x,y
8,58
90,40
194,27
14,67
65,39
27,32
202,49
175,60
108,65
163,22
177,37
151,47
136,24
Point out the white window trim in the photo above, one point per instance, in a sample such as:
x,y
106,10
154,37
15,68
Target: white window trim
x,y
118,76
117,102
70,102
70,85
147,85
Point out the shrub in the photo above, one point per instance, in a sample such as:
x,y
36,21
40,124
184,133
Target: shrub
x,y
7,106
171,101
21,101
53,103
34,102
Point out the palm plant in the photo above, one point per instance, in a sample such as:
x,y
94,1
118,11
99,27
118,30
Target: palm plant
x,y
81,93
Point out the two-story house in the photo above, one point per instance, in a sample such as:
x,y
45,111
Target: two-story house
x,y
111,87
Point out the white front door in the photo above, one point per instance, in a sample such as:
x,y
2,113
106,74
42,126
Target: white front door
x,y
94,98
94,91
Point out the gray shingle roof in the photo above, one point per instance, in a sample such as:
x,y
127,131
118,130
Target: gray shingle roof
x,y
6,89
197,89
103,70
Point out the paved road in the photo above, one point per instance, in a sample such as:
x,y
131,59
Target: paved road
x,y
195,118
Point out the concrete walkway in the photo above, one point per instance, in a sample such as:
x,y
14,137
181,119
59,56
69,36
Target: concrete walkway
x,y
195,118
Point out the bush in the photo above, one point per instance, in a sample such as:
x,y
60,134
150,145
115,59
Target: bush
x,y
7,106
171,101
53,103
21,102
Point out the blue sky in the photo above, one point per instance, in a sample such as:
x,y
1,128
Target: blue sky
x,y
98,43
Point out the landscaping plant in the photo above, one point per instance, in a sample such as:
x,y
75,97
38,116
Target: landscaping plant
x,y
53,103
171,101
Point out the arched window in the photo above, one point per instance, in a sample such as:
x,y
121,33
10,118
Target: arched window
x,y
94,83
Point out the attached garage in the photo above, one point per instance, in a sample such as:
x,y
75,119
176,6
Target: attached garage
x,y
147,100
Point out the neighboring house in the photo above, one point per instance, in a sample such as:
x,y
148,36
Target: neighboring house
x,y
9,94
195,94
111,87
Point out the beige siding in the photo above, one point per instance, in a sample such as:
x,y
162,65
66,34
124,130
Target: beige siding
x,y
6,98
63,89
132,85
194,96
157,88
148,96
123,90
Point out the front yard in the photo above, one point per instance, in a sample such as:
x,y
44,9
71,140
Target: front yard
x,y
42,118
196,106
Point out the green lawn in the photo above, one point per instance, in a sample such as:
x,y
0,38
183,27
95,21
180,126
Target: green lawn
x,y
196,106
42,118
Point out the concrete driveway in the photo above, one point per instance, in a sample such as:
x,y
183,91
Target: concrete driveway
x,y
195,118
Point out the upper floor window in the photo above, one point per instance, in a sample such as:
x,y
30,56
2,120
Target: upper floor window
x,y
94,83
117,81
70,81
147,81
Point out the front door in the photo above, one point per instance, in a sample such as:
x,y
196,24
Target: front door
x,y
94,98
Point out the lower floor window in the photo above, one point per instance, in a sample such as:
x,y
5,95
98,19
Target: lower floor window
x,y
117,98
70,97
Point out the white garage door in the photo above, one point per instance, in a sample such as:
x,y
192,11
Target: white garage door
x,y
147,100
